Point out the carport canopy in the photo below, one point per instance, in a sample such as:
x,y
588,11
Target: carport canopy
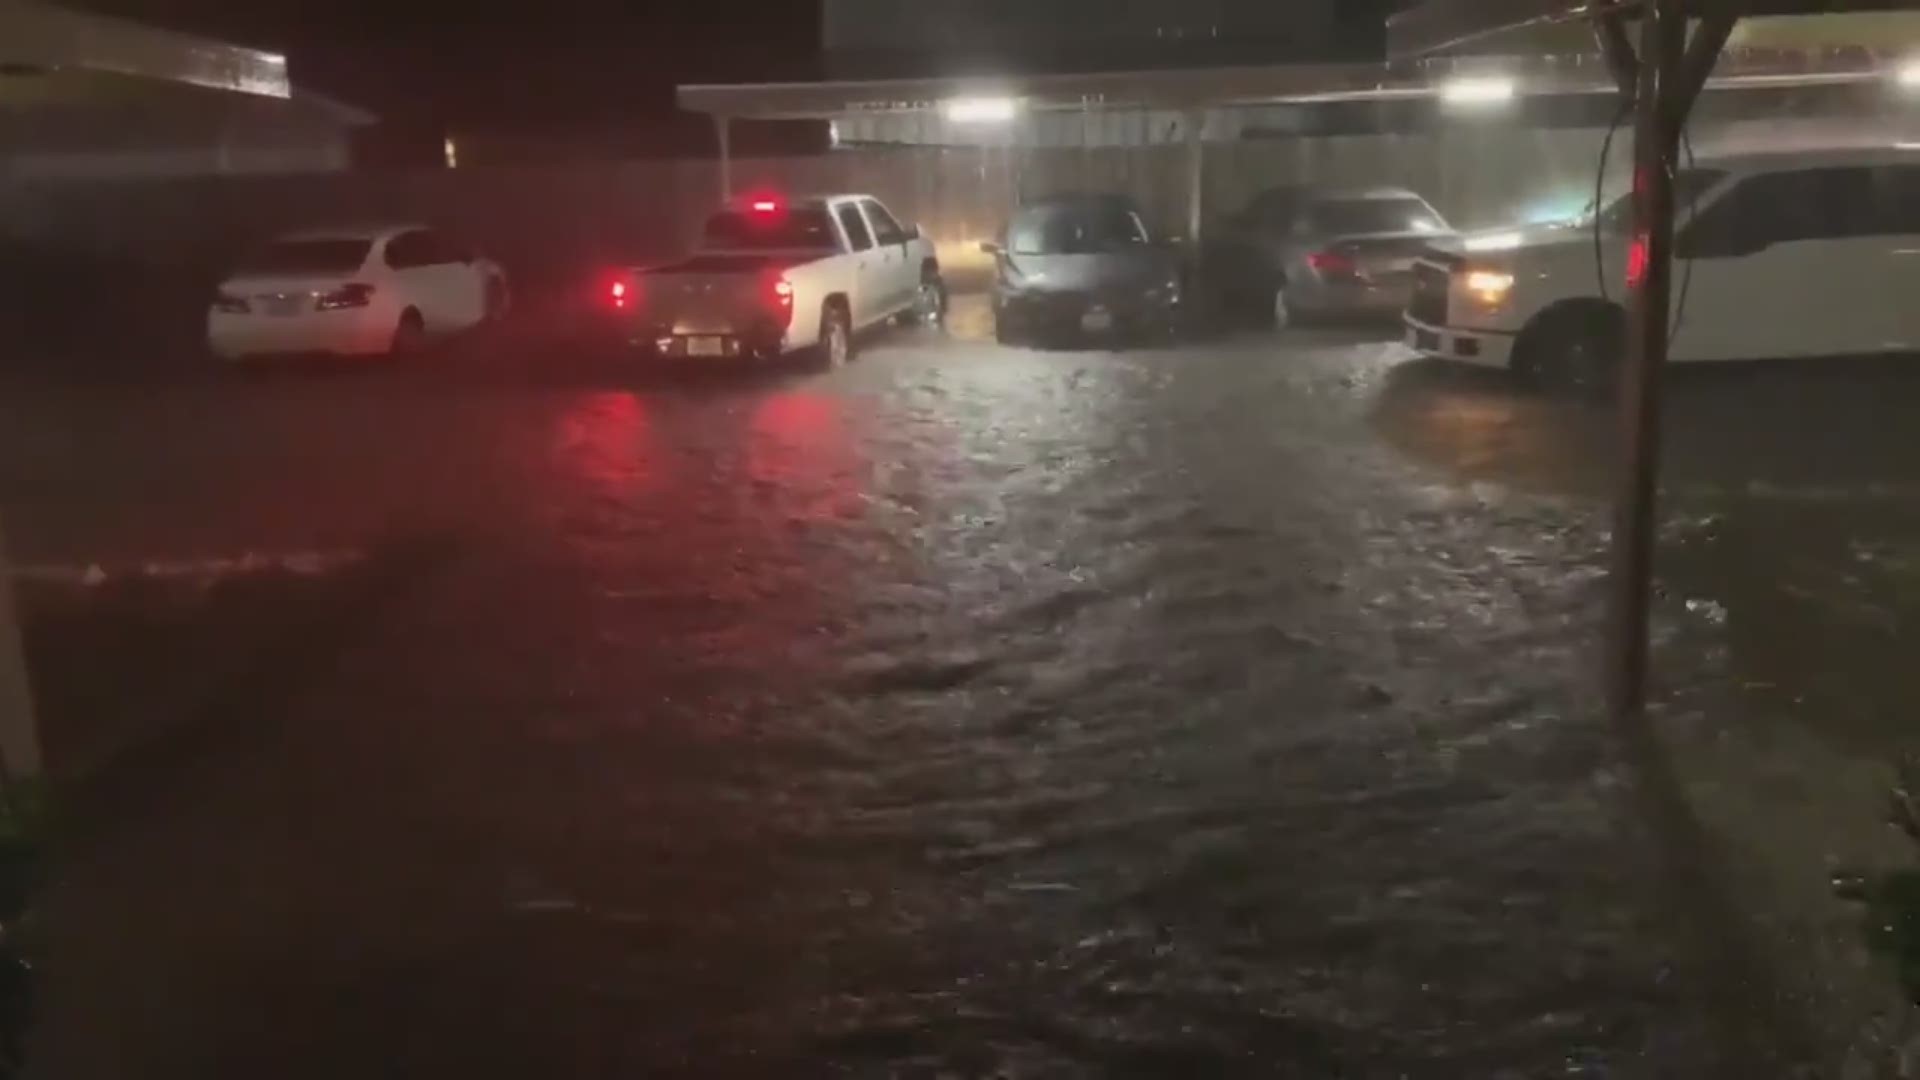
x,y
79,54
1416,71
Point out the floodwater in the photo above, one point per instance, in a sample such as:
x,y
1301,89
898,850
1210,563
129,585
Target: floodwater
x,y
1220,711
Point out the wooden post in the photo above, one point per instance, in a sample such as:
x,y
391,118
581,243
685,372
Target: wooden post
x,y
1658,83
19,733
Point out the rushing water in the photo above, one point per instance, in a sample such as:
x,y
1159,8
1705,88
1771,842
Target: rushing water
x,y
966,712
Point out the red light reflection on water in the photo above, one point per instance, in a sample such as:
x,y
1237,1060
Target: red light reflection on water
x,y
800,451
607,441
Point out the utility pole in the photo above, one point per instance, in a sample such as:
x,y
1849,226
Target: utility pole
x,y
1666,77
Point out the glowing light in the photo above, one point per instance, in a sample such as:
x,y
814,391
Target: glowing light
x,y
765,206
1908,75
1489,286
1637,261
1500,241
1478,92
452,151
984,110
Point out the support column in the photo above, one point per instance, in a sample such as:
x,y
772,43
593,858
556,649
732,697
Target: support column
x,y
1659,108
1196,175
19,732
723,135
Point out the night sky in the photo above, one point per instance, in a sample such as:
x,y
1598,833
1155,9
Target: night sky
x,y
594,70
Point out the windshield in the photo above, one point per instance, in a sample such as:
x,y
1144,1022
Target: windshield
x,y
1342,217
1688,186
308,257
1080,228
806,228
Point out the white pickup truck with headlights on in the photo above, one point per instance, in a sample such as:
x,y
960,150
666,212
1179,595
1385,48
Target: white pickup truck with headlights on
x,y
775,277
1778,254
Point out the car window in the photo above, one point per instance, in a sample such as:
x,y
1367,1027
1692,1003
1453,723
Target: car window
x,y
412,249
802,229
858,238
1340,217
1688,186
1075,228
1810,204
886,230
328,256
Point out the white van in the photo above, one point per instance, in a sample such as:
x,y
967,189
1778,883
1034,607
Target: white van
x,y
1776,255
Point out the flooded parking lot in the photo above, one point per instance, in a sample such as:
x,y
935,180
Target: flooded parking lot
x,y
1225,709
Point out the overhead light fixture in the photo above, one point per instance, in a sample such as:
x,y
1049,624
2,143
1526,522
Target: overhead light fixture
x,y
1480,91
1908,75
981,110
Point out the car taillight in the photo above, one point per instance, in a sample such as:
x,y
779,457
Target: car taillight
x,y
1332,262
346,296
622,292
782,294
230,303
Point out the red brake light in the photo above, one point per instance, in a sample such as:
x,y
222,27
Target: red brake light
x,y
765,206
1331,262
622,291
782,296
346,296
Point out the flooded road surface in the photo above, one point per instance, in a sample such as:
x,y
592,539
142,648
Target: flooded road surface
x,y
1220,711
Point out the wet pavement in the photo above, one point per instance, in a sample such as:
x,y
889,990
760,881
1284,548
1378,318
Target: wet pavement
x,y
1225,710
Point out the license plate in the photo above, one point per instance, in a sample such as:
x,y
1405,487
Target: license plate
x,y
706,346
1426,339
1096,321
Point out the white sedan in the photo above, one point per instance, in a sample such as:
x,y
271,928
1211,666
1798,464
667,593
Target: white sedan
x,y
379,291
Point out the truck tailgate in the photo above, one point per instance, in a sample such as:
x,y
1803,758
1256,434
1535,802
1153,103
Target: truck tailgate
x,y
712,294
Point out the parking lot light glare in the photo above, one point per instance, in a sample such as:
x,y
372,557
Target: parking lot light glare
x,y
1477,92
1500,241
1908,75
982,110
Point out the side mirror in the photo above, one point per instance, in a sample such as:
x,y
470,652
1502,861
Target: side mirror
x,y
989,247
913,232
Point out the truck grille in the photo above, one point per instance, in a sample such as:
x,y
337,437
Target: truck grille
x,y
1429,303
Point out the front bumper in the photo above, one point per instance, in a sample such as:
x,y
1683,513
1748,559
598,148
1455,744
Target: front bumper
x,y
1480,347
1079,313
1354,299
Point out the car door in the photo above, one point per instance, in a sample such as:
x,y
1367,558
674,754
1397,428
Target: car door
x,y
869,278
1782,264
421,274
465,281
902,272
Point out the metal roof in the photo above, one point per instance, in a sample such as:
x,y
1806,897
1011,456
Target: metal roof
x,y
45,40
1438,26
1289,84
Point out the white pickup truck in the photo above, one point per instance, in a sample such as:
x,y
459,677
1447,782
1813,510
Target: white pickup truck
x,y
776,277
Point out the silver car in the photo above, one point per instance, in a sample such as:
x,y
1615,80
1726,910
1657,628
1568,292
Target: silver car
x,y
1298,253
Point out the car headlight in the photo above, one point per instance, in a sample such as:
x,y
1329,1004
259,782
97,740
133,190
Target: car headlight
x,y
1489,286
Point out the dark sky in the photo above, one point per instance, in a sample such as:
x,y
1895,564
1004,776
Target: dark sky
x,y
578,65
557,69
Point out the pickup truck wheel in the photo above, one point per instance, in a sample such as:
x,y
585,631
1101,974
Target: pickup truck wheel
x,y
931,305
1575,350
836,337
